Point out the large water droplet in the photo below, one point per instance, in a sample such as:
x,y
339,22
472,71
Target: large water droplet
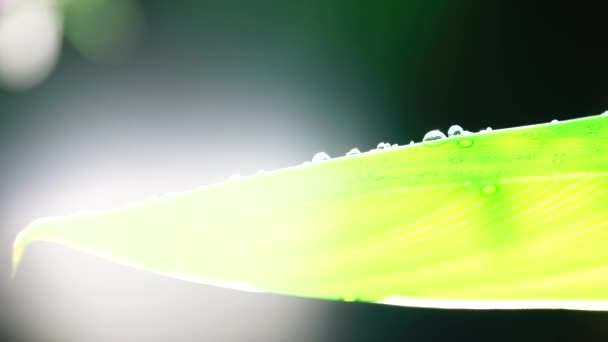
x,y
434,135
489,189
383,145
455,130
321,156
353,151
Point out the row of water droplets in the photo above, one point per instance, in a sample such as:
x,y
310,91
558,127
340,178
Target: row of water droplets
x,y
454,130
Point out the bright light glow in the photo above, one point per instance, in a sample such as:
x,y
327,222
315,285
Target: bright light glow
x,y
30,41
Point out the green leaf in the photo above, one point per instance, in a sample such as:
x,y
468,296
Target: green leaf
x,y
513,218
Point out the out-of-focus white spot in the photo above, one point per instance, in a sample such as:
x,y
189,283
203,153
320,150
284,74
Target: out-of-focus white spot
x,y
30,41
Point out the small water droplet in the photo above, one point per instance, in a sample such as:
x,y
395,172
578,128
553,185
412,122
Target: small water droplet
x,y
353,151
523,158
456,160
554,121
466,143
559,155
601,150
321,156
475,173
454,130
532,156
383,145
591,134
428,175
365,176
412,142
492,157
395,145
489,189
434,135
489,129
594,127
557,161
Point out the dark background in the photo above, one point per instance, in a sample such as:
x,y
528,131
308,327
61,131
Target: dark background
x,y
212,89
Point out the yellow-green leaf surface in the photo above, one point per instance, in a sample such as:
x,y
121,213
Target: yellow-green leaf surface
x,y
514,218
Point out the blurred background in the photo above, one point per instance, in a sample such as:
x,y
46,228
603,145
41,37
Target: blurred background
x,y
107,101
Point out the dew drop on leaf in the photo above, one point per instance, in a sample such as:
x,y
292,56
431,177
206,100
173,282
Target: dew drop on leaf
x,y
466,143
353,151
454,130
364,176
321,156
434,135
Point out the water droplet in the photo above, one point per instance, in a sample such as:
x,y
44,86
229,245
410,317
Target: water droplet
x,y
489,129
475,173
466,143
591,134
559,155
454,130
557,161
395,145
492,157
532,156
601,150
594,127
365,176
321,156
383,145
353,151
523,158
554,121
434,135
412,142
456,160
428,175
489,189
